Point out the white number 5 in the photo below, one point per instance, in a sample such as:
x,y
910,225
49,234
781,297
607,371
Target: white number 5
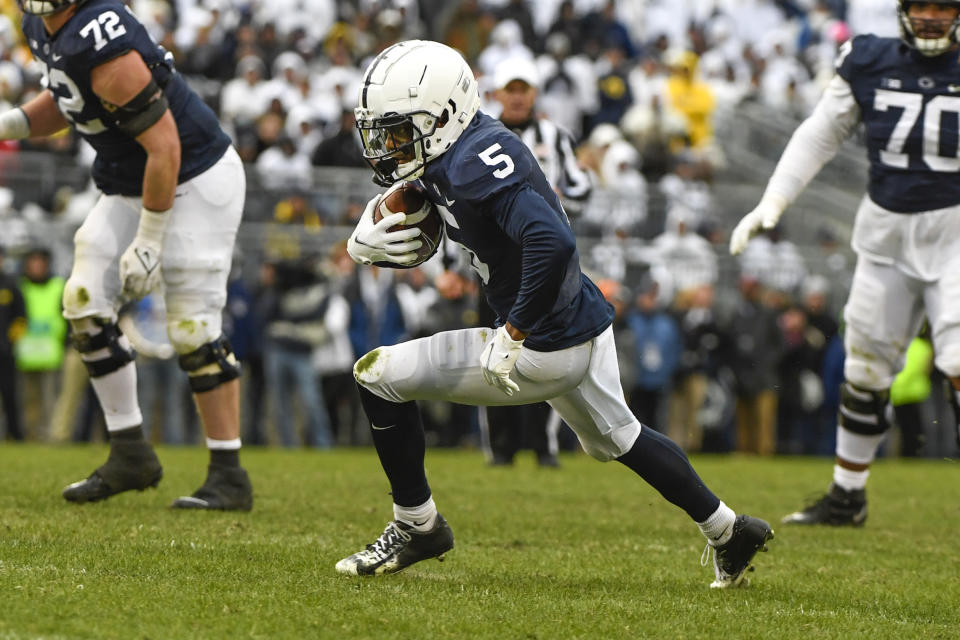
x,y
494,160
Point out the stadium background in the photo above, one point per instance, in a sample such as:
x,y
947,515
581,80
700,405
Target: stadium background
x,y
678,108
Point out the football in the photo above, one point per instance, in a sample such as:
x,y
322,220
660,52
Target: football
x,y
408,197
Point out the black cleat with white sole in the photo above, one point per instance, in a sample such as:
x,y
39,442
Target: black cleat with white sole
x,y
131,465
731,560
226,489
837,507
398,547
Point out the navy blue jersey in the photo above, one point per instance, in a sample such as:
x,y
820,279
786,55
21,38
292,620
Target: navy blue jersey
x,y
910,106
98,32
497,203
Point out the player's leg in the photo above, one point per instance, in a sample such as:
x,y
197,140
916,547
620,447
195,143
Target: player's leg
x,y
90,304
444,366
883,313
197,253
598,413
940,302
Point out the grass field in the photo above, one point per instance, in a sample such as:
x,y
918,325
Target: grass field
x,y
587,551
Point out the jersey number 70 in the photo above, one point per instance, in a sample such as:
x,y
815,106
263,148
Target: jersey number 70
x,y
912,107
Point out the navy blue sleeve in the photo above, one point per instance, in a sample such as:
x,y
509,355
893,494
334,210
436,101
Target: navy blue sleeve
x,y
99,33
491,164
855,54
547,245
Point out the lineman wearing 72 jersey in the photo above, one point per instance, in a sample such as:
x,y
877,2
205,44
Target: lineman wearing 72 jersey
x,y
906,93
419,120
172,193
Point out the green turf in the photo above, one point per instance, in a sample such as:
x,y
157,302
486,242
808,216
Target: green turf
x,y
587,551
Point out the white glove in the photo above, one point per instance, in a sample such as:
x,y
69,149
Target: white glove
x,y
498,359
371,242
765,215
140,263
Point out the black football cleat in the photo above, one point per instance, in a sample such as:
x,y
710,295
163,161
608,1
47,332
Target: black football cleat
x,y
130,465
226,489
398,547
837,507
731,560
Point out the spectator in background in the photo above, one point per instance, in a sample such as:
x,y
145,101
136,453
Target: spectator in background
x,y
282,166
757,345
343,148
244,99
294,327
40,350
801,389
567,84
692,98
13,325
658,349
333,360
506,43
704,344
815,293
465,26
685,254
603,26
614,96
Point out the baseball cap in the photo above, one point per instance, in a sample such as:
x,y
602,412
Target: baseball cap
x,y
516,69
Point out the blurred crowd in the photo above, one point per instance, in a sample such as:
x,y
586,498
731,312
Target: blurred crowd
x,y
723,356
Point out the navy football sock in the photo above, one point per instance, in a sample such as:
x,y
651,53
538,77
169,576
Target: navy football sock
x,y
658,460
398,437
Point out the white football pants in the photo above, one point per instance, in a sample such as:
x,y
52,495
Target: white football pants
x,y
196,258
582,382
908,267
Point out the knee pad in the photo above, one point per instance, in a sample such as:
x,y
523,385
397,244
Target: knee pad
x,y
369,372
211,365
81,300
115,350
189,333
862,411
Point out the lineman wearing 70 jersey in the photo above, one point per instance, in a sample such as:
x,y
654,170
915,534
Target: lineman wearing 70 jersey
x,y
906,92
418,119
172,197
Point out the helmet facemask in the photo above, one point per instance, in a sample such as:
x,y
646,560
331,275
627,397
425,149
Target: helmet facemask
x,y
393,144
929,37
45,7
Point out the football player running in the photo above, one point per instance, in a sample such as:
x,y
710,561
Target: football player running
x,y
419,120
172,194
907,228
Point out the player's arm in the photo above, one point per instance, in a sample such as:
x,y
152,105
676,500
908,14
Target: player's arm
x,y
813,144
139,108
547,243
35,118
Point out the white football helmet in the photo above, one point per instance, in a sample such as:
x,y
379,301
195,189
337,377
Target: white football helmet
x,y
912,31
417,98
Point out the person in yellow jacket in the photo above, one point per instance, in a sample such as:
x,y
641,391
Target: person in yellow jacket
x,y
909,391
40,350
691,98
